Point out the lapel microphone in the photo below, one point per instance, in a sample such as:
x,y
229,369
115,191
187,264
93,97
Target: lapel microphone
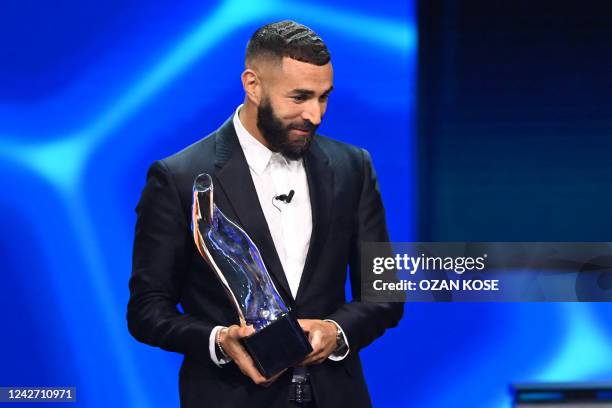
x,y
285,197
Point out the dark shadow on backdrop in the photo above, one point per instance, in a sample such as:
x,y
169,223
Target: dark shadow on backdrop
x,y
515,120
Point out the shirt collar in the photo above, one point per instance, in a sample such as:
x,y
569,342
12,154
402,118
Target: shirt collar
x,y
257,155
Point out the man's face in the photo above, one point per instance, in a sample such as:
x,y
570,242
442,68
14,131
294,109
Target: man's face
x,y
293,102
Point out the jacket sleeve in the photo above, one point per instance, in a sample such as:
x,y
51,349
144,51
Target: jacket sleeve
x,y
161,248
363,322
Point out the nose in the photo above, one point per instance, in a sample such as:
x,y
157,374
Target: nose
x,y
312,112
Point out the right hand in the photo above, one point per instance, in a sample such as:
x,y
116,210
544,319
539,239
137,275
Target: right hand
x,y
229,339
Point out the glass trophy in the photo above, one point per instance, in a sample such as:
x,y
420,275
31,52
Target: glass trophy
x,y
279,341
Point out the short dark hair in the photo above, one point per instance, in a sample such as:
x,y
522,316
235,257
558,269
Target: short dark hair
x,y
287,39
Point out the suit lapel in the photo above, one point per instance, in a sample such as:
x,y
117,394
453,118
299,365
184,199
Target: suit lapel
x,y
234,179
321,186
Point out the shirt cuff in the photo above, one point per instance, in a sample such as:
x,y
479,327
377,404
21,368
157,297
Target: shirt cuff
x,y
212,344
335,356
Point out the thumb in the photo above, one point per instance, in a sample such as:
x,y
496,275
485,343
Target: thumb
x,y
246,331
316,339
304,324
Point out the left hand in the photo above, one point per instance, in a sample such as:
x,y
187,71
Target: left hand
x,y
322,338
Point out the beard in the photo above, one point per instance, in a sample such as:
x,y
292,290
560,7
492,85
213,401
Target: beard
x,y
278,135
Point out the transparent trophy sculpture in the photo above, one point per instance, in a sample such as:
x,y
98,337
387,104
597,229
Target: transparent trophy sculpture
x,y
279,341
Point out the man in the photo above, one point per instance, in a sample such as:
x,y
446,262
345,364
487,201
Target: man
x,y
267,149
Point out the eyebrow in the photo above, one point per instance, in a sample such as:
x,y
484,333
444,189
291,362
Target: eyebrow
x,y
309,92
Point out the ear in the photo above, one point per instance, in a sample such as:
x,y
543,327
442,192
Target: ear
x,y
251,83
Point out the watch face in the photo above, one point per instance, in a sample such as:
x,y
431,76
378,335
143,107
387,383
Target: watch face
x,y
340,340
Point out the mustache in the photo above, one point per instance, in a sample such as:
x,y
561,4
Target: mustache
x,y
306,126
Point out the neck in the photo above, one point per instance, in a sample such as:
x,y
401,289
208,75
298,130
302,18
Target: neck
x,y
248,118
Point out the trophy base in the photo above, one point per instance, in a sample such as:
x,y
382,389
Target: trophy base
x,y
280,345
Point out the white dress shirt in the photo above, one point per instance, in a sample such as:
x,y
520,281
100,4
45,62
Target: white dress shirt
x,y
290,224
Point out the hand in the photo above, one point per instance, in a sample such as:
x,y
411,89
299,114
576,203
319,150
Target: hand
x,y
322,338
229,338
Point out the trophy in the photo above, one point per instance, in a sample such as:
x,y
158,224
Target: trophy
x,y
279,341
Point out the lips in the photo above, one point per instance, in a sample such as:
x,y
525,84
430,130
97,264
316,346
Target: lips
x,y
302,132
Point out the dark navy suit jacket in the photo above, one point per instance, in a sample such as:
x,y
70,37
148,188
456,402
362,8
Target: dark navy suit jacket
x,y
167,269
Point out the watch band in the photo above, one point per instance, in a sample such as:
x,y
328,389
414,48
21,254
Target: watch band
x,y
341,345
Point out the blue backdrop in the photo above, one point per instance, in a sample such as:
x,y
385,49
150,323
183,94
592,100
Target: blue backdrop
x,y
92,93
514,138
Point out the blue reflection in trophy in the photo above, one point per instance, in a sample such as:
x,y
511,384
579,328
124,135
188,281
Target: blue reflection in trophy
x,y
239,266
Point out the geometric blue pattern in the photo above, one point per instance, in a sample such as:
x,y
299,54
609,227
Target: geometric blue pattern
x,y
90,96
75,156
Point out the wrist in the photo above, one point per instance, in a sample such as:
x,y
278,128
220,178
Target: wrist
x,y
219,341
341,345
332,331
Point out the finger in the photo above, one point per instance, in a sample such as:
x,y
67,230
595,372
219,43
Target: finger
x,y
317,355
270,380
246,365
318,358
238,332
305,325
312,360
317,340
313,357
232,345
240,356
245,331
308,357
